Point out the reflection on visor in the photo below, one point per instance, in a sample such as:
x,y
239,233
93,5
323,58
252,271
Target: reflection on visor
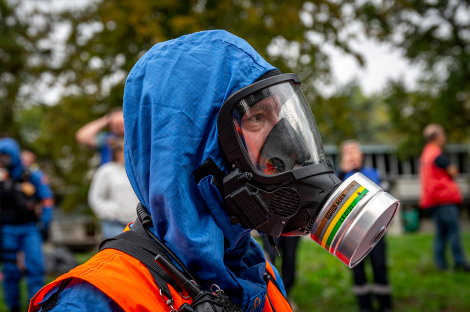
x,y
277,129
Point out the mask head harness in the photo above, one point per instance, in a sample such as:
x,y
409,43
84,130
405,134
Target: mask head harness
x,y
278,175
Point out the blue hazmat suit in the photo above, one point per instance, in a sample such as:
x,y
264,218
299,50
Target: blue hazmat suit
x,y
171,101
24,236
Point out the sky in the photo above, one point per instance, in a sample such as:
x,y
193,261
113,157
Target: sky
x,y
382,63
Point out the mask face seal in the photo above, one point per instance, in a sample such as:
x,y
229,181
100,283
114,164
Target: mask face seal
x,y
279,181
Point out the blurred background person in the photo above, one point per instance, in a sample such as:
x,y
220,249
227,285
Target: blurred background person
x,y
441,194
352,161
111,196
28,160
92,134
26,202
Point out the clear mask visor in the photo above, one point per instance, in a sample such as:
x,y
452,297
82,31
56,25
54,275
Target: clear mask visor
x,y
277,129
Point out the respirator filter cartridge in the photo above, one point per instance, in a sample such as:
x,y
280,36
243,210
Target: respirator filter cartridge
x,y
354,219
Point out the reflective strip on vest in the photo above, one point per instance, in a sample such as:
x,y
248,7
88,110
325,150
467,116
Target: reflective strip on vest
x,y
134,289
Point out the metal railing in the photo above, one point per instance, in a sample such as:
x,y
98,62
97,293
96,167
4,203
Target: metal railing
x,y
384,158
403,175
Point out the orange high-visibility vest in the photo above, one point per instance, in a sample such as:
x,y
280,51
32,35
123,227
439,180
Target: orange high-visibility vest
x,y
128,282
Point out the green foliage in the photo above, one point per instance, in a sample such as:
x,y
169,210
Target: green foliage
x,y
436,35
93,64
350,115
107,38
21,60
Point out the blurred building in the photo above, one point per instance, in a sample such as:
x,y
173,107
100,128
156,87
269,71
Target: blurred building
x,y
401,177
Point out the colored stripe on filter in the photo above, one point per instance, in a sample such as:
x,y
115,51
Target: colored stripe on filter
x,y
338,221
343,218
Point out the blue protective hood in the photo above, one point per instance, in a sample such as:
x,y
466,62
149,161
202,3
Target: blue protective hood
x,y
171,101
11,147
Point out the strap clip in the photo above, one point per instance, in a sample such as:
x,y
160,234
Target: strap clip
x,y
169,302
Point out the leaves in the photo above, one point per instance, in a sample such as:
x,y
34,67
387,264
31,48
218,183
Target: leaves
x,y
104,40
435,34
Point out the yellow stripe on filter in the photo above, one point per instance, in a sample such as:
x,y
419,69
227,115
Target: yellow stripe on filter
x,y
339,214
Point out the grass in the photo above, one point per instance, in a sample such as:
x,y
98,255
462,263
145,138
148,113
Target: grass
x,y
324,283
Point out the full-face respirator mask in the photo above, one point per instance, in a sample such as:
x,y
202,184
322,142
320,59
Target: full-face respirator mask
x,y
279,181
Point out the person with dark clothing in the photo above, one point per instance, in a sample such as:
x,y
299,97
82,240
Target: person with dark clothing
x,y
26,211
441,195
352,162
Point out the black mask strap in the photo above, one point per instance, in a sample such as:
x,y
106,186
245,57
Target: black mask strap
x,y
210,168
273,245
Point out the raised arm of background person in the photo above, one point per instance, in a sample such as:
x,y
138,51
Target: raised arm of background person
x,y
87,134
99,197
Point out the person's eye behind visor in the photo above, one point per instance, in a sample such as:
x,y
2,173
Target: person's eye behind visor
x,y
277,129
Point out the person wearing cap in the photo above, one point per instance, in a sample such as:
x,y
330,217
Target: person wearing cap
x,y
441,195
352,161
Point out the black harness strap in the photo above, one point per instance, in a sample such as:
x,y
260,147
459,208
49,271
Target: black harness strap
x,y
268,278
136,243
51,303
271,303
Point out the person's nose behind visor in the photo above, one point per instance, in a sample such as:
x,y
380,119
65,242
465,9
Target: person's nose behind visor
x,y
283,150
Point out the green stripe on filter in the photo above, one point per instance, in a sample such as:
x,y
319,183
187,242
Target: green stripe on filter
x,y
343,217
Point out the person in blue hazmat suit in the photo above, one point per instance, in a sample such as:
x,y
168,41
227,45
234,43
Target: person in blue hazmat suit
x,y
204,114
31,167
26,203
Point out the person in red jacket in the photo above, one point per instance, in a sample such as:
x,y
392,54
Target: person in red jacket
x,y
440,193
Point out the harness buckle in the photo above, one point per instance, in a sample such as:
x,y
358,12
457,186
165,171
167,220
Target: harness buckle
x,y
169,302
217,291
